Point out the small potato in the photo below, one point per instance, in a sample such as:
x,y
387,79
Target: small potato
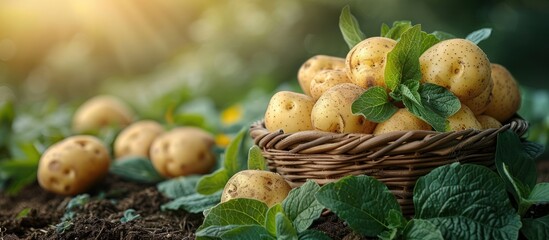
x,y
101,111
479,104
458,65
402,120
488,122
289,111
365,62
326,79
463,119
505,95
136,139
183,151
315,64
264,186
332,111
73,165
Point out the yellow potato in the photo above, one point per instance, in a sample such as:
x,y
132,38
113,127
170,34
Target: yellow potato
x,y
488,122
463,119
332,111
136,139
264,186
183,151
73,165
101,111
479,104
289,111
326,79
458,65
505,95
365,62
402,120
315,64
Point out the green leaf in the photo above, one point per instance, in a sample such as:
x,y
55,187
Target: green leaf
x,y
384,29
129,215
256,160
466,202
349,27
419,229
270,219
536,229
19,172
232,162
440,35
389,234
247,232
519,190
239,211
395,219
410,94
301,206
374,105
212,182
194,203
439,100
361,201
438,122
178,187
399,27
479,35
540,193
23,213
215,231
284,228
312,235
137,169
510,151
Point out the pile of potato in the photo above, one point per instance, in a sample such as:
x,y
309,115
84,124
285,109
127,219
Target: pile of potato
x,y
488,93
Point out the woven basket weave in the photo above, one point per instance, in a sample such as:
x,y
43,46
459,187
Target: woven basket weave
x,y
397,159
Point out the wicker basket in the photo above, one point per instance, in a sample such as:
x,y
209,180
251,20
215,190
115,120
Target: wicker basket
x,y
397,159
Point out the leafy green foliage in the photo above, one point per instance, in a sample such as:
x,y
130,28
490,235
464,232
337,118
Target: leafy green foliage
x,y
421,230
349,28
256,160
129,215
134,168
536,229
178,187
22,170
479,35
440,35
74,204
301,206
374,105
284,228
396,31
193,203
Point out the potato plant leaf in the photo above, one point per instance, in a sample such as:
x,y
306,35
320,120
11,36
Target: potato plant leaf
x,y
479,35
255,159
232,162
239,211
510,151
137,169
247,232
284,228
129,215
313,235
536,229
348,25
301,206
212,182
419,229
466,202
440,35
270,219
178,187
193,203
374,105
540,194
396,31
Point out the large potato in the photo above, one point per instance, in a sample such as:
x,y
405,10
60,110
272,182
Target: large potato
x,y
289,111
463,119
505,95
101,111
73,165
488,122
458,65
402,120
136,139
264,186
326,79
315,64
365,62
479,104
183,151
332,111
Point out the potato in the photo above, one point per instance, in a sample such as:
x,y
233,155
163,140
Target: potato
x,y
402,120
332,111
136,139
264,186
101,111
505,95
479,104
463,119
73,165
326,79
458,65
365,62
315,64
183,151
488,122
289,111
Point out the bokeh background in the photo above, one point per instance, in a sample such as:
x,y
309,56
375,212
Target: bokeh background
x,y
223,51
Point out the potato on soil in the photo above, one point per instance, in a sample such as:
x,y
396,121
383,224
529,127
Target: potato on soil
x,y
101,111
458,65
463,119
289,111
488,122
315,64
365,62
326,79
264,186
136,139
332,111
73,165
505,95
183,151
402,120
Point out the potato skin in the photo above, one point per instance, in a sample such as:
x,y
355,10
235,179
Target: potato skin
x,y
136,139
365,62
289,111
463,119
402,120
183,151
326,79
488,122
332,111
315,64
506,97
458,65
101,111
264,186
479,104
73,165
